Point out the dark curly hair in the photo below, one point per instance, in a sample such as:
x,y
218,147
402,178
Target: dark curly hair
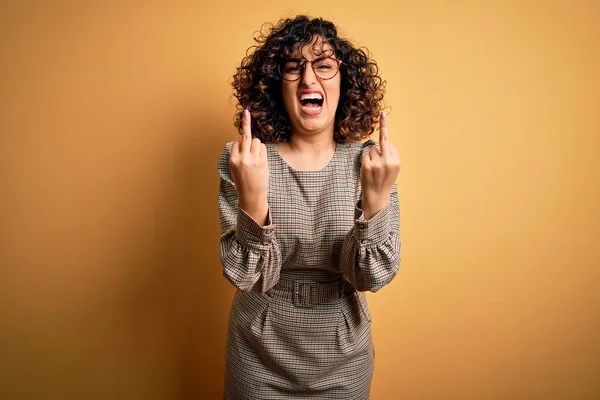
x,y
257,81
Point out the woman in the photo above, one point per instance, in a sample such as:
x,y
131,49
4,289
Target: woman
x,y
309,216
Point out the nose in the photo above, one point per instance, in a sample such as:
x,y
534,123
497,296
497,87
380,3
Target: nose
x,y
308,75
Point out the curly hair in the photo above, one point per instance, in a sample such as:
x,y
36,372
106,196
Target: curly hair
x,y
257,81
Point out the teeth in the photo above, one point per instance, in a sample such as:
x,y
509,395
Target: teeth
x,y
315,107
308,96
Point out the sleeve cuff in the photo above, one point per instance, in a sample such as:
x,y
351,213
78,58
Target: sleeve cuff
x,y
249,232
374,230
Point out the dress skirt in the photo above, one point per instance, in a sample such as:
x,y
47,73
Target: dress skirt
x,y
303,339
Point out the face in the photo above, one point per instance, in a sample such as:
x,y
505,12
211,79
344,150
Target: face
x,y
311,102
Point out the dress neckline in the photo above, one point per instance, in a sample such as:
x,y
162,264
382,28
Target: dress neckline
x,y
299,171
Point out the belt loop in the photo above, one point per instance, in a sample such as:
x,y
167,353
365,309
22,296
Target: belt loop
x,y
313,293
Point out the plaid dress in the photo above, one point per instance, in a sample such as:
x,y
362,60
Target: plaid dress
x,y
299,325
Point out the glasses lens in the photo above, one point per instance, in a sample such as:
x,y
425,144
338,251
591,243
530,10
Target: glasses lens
x,y
291,70
325,68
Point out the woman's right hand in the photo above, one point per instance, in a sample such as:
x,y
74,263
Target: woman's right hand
x,y
250,172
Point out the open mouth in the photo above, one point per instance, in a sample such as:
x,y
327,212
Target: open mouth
x,y
311,101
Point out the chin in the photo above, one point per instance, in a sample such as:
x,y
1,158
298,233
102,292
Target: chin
x,y
313,123
315,126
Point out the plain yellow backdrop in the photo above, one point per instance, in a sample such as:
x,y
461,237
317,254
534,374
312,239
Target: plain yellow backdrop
x,y
113,115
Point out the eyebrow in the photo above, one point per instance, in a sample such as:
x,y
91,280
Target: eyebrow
x,y
305,59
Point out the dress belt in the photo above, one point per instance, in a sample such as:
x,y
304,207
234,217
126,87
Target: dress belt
x,y
309,293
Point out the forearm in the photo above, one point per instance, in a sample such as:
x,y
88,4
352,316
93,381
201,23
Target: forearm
x,y
372,204
258,210
250,254
370,254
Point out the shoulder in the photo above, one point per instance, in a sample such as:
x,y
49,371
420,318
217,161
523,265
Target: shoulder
x,y
225,153
351,154
366,146
227,148
223,163
358,149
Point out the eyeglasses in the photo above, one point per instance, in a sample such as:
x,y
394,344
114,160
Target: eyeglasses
x,y
324,68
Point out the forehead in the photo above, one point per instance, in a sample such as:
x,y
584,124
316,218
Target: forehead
x,y
316,48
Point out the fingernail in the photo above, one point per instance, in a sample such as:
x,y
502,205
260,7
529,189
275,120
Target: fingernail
x,y
383,115
245,114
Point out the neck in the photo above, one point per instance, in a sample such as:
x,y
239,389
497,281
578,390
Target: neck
x,y
319,143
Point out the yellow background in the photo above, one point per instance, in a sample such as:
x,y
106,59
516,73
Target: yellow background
x,y
113,115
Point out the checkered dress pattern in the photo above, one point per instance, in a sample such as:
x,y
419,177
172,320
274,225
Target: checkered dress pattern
x,y
299,325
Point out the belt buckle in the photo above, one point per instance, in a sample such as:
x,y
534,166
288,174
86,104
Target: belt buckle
x,y
305,294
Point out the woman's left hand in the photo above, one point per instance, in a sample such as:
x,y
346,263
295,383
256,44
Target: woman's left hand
x,y
378,173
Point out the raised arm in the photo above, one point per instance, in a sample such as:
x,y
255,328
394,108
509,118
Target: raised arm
x,y
248,249
370,255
